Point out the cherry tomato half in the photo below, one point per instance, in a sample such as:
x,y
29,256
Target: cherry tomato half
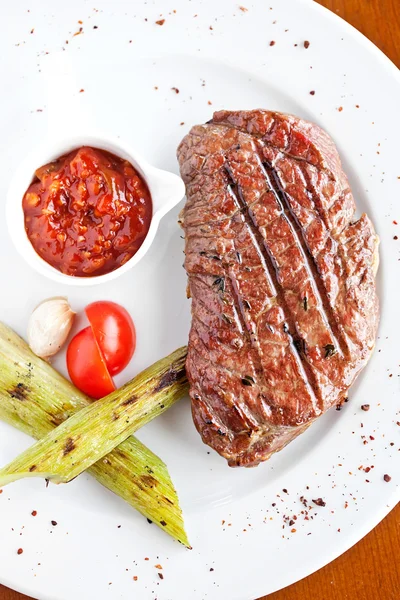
x,y
86,366
115,333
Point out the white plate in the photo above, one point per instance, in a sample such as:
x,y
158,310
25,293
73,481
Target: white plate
x,y
213,52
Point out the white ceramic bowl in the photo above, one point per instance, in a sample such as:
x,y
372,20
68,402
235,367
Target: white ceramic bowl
x,y
166,189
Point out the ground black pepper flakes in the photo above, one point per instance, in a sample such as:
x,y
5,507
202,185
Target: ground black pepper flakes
x,y
387,478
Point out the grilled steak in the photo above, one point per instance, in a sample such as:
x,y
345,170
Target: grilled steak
x,y
282,280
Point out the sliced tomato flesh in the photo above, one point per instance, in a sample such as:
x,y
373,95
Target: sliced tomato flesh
x,y
86,365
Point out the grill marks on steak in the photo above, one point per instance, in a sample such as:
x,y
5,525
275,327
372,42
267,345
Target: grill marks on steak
x,y
284,306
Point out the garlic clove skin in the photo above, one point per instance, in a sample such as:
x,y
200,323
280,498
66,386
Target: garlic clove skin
x,y
49,326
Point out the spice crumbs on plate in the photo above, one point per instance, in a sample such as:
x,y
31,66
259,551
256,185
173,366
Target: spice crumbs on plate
x,y
312,93
387,478
159,567
160,22
54,523
319,502
306,44
175,89
272,43
211,569
19,551
243,8
365,407
135,578
161,576
34,513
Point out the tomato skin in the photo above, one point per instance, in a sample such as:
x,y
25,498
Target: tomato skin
x,y
86,366
114,332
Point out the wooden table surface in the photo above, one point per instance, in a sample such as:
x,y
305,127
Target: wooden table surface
x,y
369,570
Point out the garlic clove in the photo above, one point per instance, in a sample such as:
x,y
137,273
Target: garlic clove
x,y
49,326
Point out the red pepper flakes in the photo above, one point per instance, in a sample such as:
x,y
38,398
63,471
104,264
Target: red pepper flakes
x,y
395,237
319,502
34,513
293,530
135,578
159,567
182,123
243,8
340,108
306,44
146,558
54,523
209,102
371,437
312,93
160,22
32,30
81,90
19,551
365,407
357,106
395,223
387,478
161,576
175,89
272,43
1,491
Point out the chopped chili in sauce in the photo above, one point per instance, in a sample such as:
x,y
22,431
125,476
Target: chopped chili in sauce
x,y
87,213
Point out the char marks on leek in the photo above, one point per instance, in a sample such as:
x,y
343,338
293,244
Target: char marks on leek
x,y
36,399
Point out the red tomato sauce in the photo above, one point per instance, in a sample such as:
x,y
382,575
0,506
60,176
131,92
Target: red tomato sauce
x,y
87,212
